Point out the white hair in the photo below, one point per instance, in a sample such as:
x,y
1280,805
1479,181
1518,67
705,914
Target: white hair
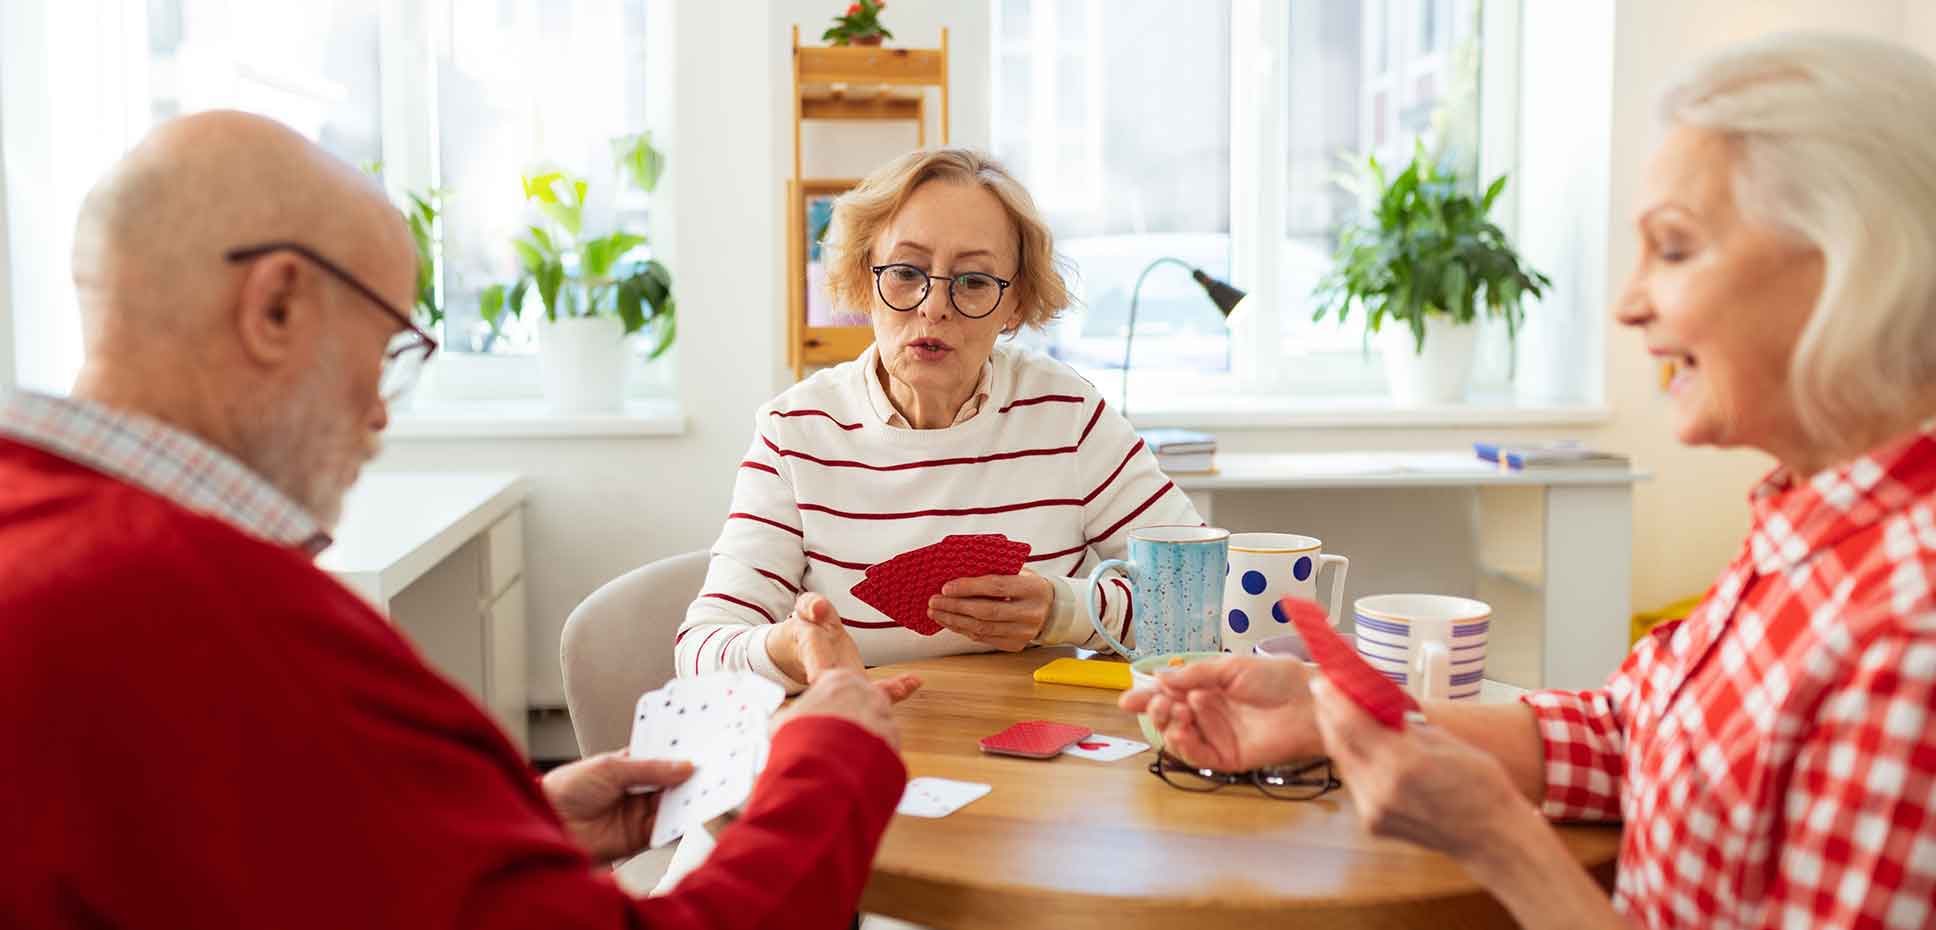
x,y
1836,138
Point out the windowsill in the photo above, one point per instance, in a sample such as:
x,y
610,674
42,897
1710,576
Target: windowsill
x,y
1240,411
532,419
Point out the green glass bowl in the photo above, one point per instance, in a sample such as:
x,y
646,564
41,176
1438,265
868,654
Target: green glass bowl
x,y
1142,674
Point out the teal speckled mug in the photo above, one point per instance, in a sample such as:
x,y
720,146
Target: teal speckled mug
x,y
1176,574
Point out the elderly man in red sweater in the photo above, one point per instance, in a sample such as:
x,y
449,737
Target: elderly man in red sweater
x,y
202,729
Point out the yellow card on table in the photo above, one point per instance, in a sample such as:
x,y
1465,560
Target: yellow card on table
x,y
1089,673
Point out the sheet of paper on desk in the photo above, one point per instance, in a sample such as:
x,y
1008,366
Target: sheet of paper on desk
x,y
719,724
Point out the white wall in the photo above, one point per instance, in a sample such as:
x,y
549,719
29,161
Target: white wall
x,y
601,507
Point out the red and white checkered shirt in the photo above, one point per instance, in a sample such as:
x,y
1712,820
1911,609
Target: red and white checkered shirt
x,y
162,459
1772,756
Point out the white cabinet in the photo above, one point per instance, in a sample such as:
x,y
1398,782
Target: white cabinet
x,y
443,556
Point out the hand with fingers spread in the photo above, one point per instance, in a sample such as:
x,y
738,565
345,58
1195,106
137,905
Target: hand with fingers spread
x,y
1004,611
811,642
1233,714
606,820
1421,784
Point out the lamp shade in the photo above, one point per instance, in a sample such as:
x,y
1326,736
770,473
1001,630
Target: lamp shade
x,y
1223,295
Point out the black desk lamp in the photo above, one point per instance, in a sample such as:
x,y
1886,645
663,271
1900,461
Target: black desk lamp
x,y
1226,298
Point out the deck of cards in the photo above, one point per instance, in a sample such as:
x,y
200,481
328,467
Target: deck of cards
x,y
719,724
901,586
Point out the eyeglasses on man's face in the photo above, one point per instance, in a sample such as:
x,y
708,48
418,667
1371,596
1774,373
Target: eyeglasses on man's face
x,y
1298,782
973,294
409,349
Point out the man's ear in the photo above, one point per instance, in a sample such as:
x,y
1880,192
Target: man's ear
x,y
277,296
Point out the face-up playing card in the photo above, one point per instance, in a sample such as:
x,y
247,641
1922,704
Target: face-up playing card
x,y
722,777
1379,696
938,797
1034,739
901,586
1104,748
719,724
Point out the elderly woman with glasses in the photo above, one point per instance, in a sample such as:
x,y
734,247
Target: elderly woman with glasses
x,y
1773,756
935,430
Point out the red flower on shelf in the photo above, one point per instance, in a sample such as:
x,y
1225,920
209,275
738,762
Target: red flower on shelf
x,y
860,26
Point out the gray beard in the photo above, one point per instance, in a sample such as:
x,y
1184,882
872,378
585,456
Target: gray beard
x,y
303,448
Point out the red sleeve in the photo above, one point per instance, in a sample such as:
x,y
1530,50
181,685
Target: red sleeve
x,y
207,753
800,855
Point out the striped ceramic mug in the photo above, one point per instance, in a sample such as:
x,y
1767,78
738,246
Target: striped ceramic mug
x,y
1176,573
1432,645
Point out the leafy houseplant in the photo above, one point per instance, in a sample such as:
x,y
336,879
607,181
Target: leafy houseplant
x,y
860,26
1427,257
592,290
422,216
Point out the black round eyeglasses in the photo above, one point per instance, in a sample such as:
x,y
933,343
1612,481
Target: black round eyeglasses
x,y
1301,781
973,294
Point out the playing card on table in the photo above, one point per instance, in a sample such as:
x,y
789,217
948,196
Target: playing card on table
x,y
938,797
1035,739
1105,748
901,586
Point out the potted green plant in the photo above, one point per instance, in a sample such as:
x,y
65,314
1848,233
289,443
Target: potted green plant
x,y
861,25
593,292
1428,259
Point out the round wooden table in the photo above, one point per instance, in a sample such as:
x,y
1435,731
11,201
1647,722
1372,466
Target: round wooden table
x,y
1068,842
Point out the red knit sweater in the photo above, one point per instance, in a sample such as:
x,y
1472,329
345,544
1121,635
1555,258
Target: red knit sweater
x,y
203,730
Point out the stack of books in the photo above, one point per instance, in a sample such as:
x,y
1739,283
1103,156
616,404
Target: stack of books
x,y
1181,451
1547,455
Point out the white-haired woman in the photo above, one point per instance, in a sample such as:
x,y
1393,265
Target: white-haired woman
x,y
1773,757
936,430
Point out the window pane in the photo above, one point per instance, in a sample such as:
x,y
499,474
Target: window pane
x,y
1348,99
313,66
524,83
1133,165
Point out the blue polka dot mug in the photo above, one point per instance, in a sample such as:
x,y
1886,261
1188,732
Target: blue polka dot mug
x,y
1176,573
1265,567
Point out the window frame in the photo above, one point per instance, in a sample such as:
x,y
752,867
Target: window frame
x,y
413,40
1259,141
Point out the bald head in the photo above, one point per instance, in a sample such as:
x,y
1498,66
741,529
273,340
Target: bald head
x,y
149,243
274,359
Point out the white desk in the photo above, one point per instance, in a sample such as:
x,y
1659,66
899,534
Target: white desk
x,y
443,556
1582,578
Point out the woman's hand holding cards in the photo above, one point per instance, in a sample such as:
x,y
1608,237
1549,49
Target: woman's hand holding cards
x,y
1004,611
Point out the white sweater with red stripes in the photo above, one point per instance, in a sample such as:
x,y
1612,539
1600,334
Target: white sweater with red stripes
x,y
828,488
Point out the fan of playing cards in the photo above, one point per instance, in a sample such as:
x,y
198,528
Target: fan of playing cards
x,y
901,586
719,724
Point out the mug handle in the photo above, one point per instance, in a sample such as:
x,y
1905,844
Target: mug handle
x,y
1432,670
1337,584
1089,604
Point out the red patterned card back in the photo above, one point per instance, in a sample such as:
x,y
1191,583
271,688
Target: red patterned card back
x,y
901,586
1035,739
1370,689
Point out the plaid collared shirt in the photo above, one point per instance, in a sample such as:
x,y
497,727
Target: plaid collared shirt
x,y
159,458
1773,756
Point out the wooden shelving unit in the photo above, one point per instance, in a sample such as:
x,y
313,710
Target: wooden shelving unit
x,y
855,83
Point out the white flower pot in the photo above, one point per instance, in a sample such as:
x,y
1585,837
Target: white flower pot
x,y
582,364
1437,375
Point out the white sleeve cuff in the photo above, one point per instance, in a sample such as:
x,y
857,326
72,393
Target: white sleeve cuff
x,y
1068,621
760,662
